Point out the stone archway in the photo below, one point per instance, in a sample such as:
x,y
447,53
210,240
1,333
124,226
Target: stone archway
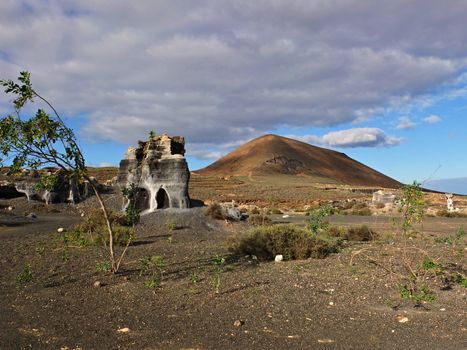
x,y
162,199
142,199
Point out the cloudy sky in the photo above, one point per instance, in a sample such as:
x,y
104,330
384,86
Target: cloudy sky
x,y
383,81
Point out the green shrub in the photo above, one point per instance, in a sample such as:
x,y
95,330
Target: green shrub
x,y
292,241
25,276
316,220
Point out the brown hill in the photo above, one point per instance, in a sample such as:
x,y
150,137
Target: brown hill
x,y
272,155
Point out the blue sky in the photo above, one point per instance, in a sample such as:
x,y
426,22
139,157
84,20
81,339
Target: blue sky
x,y
361,77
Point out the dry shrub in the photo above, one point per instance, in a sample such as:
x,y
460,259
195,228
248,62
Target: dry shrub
x,y
292,241
447,214
361,212
356,234
94,227
361,234
257,220
215,211
254,211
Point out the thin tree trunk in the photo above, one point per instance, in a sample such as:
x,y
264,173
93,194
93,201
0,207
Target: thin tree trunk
x,y
109,226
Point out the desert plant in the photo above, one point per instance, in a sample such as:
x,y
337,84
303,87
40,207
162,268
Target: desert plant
x,y
218,262
152,267
357,234
44,140
418,295
259,220
194,278
25,275
172,225
265,242
412,203
452,239
447,214
104,266
215,211
316,218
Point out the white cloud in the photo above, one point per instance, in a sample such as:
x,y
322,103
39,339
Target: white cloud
x,y
218,72
352,138
405,123
432,119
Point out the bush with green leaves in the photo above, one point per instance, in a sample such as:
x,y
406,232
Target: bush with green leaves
x,y
412,202
218,261
316,219
44,140
25,275
152,267
265,242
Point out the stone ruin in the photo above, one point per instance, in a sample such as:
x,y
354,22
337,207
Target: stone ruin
x,y
382,197
65,190
160,173
450,203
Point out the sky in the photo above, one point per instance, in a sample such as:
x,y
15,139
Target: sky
x,y
383,81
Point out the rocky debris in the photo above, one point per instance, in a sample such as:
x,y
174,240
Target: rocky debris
x,y
159,171
60,230
231,211
402,319
279,258
31,216
238,323
123,330
97,284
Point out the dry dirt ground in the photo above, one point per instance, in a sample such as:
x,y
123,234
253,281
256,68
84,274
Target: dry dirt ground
x,y
308,304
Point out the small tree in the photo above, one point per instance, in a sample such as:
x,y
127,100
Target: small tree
x,y
411,203
45,140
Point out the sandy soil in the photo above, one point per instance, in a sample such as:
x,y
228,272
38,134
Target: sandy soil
x,y
308,304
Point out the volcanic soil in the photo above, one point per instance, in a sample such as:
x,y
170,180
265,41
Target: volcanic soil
x,y
345,301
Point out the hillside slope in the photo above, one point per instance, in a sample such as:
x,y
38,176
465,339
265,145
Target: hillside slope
x,y
273,155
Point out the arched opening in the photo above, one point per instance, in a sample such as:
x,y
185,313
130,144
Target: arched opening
x,y
162,199
142,199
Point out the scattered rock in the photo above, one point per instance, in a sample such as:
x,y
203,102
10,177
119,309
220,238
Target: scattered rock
x,y
238,323
60,229
331,303
97,284
10,208
279,258
31,216
124,330
402,319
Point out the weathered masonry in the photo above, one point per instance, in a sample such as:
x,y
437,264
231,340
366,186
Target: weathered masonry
x,y
159,171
